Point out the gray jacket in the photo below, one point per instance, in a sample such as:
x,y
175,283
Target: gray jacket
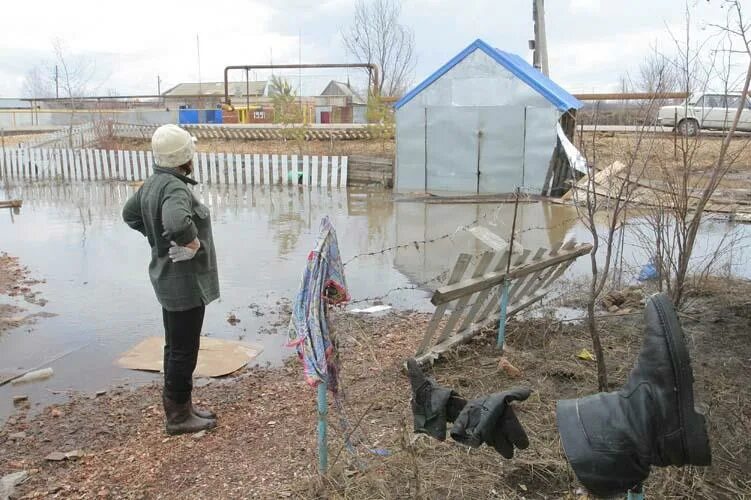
x,y
165,210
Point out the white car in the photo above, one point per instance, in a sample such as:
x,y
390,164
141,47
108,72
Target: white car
x,y
706,111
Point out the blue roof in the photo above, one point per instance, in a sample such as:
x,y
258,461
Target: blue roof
x,y
512,62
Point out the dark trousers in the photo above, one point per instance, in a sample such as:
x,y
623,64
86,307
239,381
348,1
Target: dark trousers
x,y
182,337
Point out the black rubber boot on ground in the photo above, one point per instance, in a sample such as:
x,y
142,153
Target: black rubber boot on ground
x,y
202,412
181,420
612,439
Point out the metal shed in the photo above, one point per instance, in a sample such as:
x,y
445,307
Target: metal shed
x,y
485,122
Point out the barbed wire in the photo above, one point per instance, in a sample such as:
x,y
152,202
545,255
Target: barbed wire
x,y
466,227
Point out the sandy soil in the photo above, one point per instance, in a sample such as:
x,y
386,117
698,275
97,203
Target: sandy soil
x,y
265,444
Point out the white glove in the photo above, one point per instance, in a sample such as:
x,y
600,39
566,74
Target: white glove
x,y
179,253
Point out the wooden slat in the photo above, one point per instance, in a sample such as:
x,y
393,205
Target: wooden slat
x,y
256,170
213,169
295,170
204,168
93,174
494,303
522,282
343,176
230,168
305,170
64,168
120,165
266,171
112,164
274,169
314,171
459,309
150,162
325,171
452,292
143,169
285,170
456,275
223,168
334,171
246,170
465,336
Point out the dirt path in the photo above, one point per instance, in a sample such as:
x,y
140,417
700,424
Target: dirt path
x,y
265,444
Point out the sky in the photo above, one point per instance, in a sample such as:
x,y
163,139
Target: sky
x,y
591,43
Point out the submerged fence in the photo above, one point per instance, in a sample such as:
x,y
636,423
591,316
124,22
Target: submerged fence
x,y
39,164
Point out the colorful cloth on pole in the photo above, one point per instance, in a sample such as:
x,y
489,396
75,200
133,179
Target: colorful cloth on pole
x,y
323,283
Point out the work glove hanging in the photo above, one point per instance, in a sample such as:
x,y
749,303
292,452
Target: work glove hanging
x,y
491,420
179,253
432,404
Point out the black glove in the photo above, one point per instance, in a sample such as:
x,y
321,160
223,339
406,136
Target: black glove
x,y
432,405
491,420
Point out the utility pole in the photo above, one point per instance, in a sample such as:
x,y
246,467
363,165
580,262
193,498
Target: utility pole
x,y
198,53
540,43
158,85
57,85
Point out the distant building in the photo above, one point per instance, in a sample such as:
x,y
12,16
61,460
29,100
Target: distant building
x,y
343,105
12,103
211,94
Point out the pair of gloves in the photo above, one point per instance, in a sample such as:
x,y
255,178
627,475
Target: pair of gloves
x,y
179,253
488,419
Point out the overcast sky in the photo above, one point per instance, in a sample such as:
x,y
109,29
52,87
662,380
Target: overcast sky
x,y
591,42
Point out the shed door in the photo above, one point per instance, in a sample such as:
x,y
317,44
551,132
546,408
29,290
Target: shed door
x,y
451,162
325,117
501,148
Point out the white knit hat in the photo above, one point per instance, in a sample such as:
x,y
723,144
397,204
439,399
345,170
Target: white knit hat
x,y
172,146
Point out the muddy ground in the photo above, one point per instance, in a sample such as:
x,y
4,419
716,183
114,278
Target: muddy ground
x,y
16,281
265,444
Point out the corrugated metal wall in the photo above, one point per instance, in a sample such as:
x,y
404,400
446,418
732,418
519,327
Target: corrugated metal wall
x,y
478,117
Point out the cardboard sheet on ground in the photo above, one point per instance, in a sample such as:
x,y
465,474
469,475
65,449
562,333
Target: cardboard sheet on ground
x,y
216,357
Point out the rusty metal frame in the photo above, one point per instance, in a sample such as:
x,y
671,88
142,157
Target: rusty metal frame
x,y
372,72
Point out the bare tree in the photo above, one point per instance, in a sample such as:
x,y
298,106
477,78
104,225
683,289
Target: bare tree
x,y
689,185
376,36
37,83
602,200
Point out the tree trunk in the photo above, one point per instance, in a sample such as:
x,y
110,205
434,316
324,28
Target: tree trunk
x,y
602,372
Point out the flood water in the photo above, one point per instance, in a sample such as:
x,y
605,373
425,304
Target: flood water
x,y
95,267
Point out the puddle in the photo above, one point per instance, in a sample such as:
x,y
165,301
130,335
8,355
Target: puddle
x,y
98,290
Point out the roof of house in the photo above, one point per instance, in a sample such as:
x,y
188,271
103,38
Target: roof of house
x,y
256,88
512,62
335,88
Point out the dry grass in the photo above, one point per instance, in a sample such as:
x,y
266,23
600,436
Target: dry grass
x,y
265,444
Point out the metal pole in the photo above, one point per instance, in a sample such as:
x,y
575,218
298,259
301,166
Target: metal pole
x,y
323,407
247,96
57,85
506,281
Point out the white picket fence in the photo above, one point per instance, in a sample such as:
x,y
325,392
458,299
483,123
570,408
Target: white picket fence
x,y
210,168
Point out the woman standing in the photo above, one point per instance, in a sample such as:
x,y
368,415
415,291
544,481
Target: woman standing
x,y
183,268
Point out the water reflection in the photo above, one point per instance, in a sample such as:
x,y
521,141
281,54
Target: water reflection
x,y
97,282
